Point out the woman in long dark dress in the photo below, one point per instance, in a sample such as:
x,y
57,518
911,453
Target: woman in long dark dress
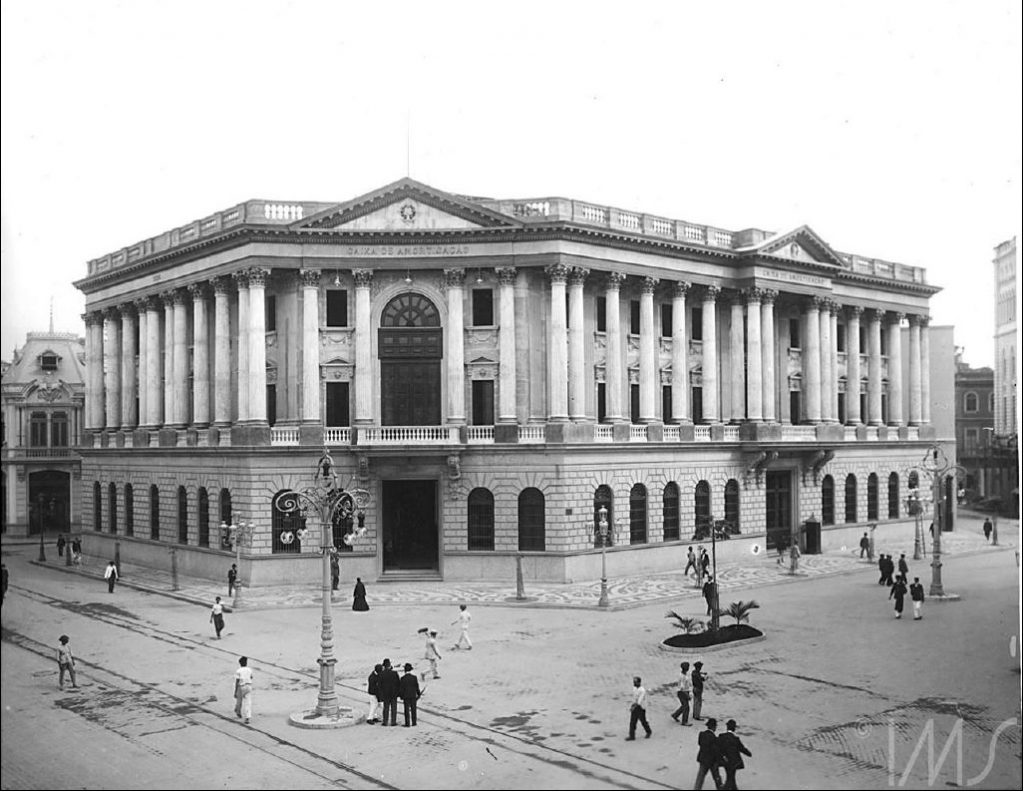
x,y
898,592
359,596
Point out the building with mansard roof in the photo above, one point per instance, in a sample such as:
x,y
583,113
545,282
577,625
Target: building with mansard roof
x,y
43,404
495,373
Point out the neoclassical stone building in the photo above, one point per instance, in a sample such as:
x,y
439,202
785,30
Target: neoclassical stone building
x,y
493,372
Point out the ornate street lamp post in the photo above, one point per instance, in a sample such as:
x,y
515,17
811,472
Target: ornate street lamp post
x,y
937,466
916,506
324,501
603,530
238,534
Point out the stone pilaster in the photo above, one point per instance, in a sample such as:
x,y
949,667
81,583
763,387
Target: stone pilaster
x,y
649,380
768,345
577,379
242,347
455,357
737,387
680,356
614,366
258,345
812,360
853,314
709,354
506,345
754,358
916,418
309,280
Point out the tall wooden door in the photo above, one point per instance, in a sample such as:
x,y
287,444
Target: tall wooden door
x,y
410,393
778,496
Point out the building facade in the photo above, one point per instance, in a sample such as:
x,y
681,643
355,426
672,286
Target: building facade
x,y
1004,448
975,414
494,372
43,396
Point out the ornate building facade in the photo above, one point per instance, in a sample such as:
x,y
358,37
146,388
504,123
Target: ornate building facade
x,y
494,372
43,397
1004,453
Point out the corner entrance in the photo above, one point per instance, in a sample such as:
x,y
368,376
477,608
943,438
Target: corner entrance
x,y
409,525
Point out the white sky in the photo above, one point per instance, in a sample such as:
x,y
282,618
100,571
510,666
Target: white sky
x,y
892,129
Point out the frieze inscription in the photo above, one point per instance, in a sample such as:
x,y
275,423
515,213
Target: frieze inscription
x,y
401,251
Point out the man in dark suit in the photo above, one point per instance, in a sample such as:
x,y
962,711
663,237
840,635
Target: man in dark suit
x,y
388,685
409,692
730,752
707,755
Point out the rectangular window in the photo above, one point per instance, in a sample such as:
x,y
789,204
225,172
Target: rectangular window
x,y
884,342
634,404
842,407
336,407
666,320
634,317
794,334
602,411
271,404
483,402
48,362
666,404
483,307
601,318
337,307
794,407
697,404
270,309
840,338
697,324
862,334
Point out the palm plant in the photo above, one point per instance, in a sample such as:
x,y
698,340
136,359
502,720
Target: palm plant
x,y
687,624
740,611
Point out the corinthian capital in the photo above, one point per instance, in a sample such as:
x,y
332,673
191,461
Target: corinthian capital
x,y
680,288
578,275
363,278
648,285
613,280
712,293
258,277
455,278
198,291
309,277
506,275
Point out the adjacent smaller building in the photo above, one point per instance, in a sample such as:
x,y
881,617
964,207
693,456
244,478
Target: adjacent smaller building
x,y
43,398
975,403
1004,451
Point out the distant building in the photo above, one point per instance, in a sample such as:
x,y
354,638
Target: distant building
x,y
43,401
975,407
1004,451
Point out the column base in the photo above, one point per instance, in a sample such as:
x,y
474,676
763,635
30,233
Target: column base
x,y
655,432
311,435
506,433
830,432
168,437
250,434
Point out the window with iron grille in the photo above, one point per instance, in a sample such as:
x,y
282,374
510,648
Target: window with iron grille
x,y
670,512
638,514
828,501
851,498
531,520
732,504
112,505
701,506
204,518
894,495
182,516
284,527
480,521
603,497
873,496
129,510
97,507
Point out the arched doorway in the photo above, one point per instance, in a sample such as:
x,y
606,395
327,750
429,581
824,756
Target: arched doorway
x,y
49,501
410,343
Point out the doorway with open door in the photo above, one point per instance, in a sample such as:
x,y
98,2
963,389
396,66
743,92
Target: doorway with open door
x,y
409,525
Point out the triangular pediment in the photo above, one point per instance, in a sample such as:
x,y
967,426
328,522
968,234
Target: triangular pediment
x,y
801,245
407,205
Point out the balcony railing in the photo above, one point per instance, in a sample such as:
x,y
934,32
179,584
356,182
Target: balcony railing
x,y
39,453
732,434
284,436
702,434
408,435
637,433
479,435
531,433
337,436
799,433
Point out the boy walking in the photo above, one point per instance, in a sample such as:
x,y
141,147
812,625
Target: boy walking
x,y
683,694
917,597
638,710
110,573
66,661
430,654
463,620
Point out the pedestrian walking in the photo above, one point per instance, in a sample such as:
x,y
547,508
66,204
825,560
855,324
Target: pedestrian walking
x,y
638,710
232,579
463,620
409,691
730,753
881,569
705,564
987,528
794,558
890,567
61,542
698,677
902,566
709,593
683,694
217,616
917,597
430,653
897,593
373,692
110,573
76,551
691,561
359,597
66,661
389,689
243,689
335,573
865,543
707,755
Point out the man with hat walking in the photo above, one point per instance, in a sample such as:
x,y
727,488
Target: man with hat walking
x,y
389,688
698,677
409,691
730,750
683,694
707,755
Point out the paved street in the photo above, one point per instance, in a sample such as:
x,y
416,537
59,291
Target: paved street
x,y
836,697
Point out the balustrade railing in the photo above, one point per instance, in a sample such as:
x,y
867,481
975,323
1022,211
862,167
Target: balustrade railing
x,y
849,433
799,433
479,434
702,434
671,434
408,435
732,434
284,436
337,436
637,433
531,433
603,433
913,433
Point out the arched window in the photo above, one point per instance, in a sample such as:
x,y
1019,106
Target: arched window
x,y
225,517
112,506
204,518
913,481
638,514
182,516
732,505
154,512
603,497
532,531
828,501
410,310
129,510
480,525
873,496
97,507
971,402
851,498
285,528
37,430
670,512
701,507
894,495
59,426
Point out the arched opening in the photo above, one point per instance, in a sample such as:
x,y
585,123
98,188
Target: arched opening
x,y
701,509
204,518
603,497
409,345
670,512
480,522
287,528
531,520
638,514
154,512
225,517
129,510
112,507
851,499
97,507
182,516
894,495
828,501
872,496
732,506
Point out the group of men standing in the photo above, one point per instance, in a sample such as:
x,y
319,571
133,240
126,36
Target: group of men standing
x,y
898,587
699,562
384,687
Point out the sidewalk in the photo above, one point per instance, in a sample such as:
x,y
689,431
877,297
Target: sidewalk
x,y
626,592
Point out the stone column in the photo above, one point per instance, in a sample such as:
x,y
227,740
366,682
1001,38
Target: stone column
x,y
577,379
154,365
828,386
833,353
95,398
242,351
170,411
613,367
363,279
915,371
875,367
709,355
258,345
558,370
768,395
737,355
895,371
680,356
812,360
200,357
112,366
309,279
507,344
222,353
926,373
455,358
142,368
181,395
129,373
755,410
649,379
853,415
